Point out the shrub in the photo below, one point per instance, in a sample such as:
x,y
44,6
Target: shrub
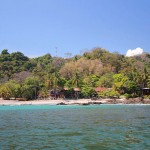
x,y
146,96
28,92
6,91
108,94
127,96
87,91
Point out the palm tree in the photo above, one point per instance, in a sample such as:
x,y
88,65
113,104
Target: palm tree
x,y
75,82
141,79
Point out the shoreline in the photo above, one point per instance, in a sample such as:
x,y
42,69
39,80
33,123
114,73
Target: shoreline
x,y
76,102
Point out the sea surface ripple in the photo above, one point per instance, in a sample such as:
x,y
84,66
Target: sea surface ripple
x,y
95,127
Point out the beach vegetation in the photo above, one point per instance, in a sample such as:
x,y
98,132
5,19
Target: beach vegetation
x,y
111,93
87,91
127,96
6,91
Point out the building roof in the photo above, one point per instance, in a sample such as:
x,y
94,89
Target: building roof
x,y
77,89
98,89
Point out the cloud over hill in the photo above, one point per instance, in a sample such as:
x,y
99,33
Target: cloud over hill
x,y
134,52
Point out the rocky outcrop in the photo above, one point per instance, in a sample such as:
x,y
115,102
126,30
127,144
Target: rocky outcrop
x,y
62,103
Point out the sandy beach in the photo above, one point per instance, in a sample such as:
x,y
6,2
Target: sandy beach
x,y
50,102
74,102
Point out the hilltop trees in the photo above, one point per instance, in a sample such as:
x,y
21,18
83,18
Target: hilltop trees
x,y
84,67
13,63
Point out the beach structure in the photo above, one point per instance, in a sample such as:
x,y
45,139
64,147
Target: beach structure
x,y
77,91
100,89
145,91
56,94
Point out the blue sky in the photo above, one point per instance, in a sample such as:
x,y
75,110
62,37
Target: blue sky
x,y
37,27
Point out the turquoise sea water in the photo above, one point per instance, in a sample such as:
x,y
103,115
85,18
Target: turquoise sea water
x,y
99,127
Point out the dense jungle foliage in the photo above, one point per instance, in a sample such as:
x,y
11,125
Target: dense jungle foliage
x,y
25,77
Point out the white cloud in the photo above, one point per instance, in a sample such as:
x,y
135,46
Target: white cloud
x,y
134,52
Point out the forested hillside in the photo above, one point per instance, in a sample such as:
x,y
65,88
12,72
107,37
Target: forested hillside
x,y
20,76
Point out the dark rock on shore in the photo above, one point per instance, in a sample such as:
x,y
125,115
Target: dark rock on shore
x,y
61,103
85,104
137,101
91,103
129,101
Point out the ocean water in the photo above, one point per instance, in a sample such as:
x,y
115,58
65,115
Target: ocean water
x,y
95,127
